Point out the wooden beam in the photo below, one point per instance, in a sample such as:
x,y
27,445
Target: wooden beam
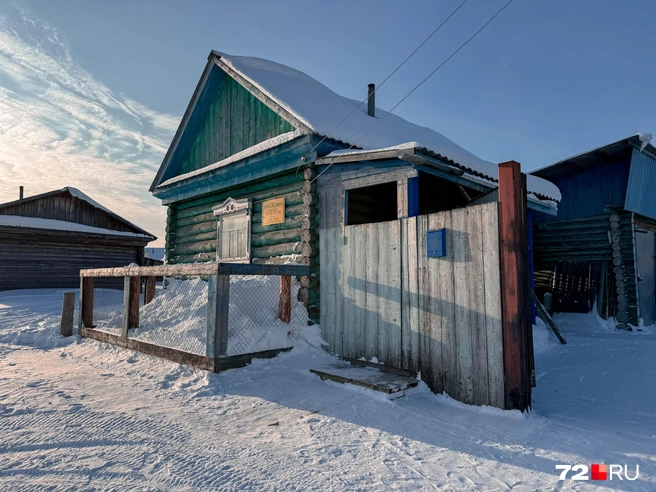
x,y
188,269
158,271
135,294
86,302
285,305
68,308
174,355
179,356
514,285
149,291
218,306
131,294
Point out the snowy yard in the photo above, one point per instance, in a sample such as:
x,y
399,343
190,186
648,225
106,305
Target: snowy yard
x,y
81,415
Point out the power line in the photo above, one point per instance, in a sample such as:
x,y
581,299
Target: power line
x,y
386,79
417,86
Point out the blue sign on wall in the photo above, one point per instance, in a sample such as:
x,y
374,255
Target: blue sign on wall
x,y
436,243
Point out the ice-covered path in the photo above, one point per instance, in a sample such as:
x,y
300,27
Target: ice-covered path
x,y
80,415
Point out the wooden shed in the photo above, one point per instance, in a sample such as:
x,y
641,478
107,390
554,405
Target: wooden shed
x,y
266,168
600,249
46,239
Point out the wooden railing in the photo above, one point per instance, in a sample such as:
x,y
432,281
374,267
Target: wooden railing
x,y
218,301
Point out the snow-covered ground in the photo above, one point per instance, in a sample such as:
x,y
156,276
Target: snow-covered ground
x,y
77,414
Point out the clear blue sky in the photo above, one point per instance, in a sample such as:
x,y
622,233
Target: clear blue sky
x,y
547,79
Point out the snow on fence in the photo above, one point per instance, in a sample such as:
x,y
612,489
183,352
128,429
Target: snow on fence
x,y
208,315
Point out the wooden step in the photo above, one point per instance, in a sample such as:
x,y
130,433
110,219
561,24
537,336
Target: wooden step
x,y
372,378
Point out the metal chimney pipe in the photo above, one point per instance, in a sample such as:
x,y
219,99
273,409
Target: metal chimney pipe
x,y
20,193
371,100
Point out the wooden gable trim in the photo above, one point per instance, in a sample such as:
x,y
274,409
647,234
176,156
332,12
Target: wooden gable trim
x,y
259,94
214,60
198,91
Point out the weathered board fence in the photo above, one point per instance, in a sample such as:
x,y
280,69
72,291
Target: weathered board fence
x,y
440,316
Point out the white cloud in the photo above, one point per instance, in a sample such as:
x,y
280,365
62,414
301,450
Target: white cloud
x,y
61,127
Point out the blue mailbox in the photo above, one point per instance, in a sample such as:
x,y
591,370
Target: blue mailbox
x,y
436,243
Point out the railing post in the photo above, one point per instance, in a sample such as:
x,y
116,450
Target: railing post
x,y
515,311
218,303
285,306
86,303
68,308
149,291
131,293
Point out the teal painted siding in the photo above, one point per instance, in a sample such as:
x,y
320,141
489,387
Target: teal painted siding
x,y
640,196
235,121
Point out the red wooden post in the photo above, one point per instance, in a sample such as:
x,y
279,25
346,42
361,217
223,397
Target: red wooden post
x,y
515,317
86,299
149,291
135,291
285,307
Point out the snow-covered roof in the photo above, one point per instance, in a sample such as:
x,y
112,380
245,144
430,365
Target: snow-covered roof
x,y
62,225
76,193
321,110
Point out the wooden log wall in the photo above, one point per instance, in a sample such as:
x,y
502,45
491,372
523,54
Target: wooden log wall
x,y
383,297
191,231
587,239
30,259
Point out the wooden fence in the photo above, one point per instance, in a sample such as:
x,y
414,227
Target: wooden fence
x,y
218,276
440,316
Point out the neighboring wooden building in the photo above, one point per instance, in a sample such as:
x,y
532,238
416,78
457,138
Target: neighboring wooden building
x,y
259,171
600,250
46,239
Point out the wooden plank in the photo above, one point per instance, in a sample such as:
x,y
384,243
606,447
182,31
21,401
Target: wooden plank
x,y
135,294
432,333
380,367
514,282
425,316
262,269
210,268
127,285
236,361
448,311
462,274
337,220
68,309
86,302
149,290
159,271
347,323
410,296
285,303
548,320
327,274
389,294
373,379
218,304
171,354
402,198
476,286
491,270
372,318
395,290
359,291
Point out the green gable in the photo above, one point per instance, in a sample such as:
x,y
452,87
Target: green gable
x,y
235,121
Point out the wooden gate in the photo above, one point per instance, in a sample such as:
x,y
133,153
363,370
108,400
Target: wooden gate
x,y
383,298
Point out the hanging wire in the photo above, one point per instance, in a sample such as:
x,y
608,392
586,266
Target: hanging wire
x,y
414,89
380,85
